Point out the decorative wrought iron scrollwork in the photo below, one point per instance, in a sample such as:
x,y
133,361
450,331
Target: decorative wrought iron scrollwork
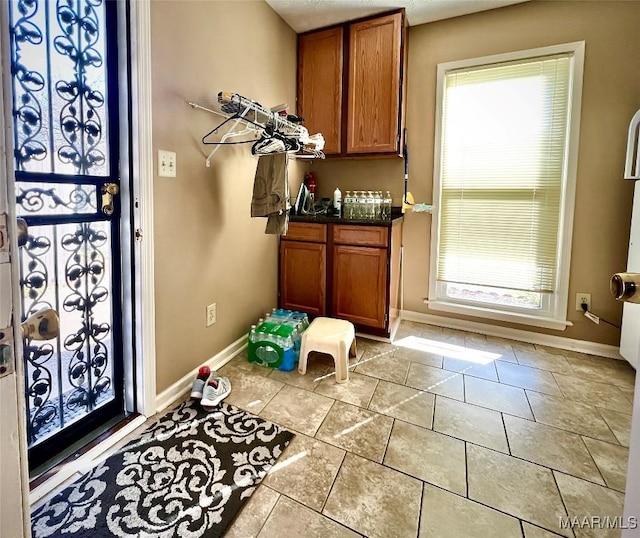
x,y
27,85
77,102
79,118
33,200
34,281
84,270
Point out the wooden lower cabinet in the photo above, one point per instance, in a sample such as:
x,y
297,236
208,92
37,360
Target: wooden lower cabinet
x,y
303,277
359,289
345,271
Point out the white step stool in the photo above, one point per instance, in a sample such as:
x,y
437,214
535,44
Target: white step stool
x,y
336,337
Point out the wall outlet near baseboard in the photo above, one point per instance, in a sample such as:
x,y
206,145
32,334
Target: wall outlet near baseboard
x,y
211,314
583,298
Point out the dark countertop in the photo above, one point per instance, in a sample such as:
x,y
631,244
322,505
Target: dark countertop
x,y
396,216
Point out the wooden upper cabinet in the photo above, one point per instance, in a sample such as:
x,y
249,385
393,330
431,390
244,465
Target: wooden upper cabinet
x,y
320,57
363,59
373,111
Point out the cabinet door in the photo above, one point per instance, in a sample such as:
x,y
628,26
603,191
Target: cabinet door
x,y
320,85
374,85
360,285
303,270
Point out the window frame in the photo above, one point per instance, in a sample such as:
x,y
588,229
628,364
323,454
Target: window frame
x,y
555,317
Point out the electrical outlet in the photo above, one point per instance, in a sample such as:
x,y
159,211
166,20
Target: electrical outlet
x,y
582,298
166,163
211,314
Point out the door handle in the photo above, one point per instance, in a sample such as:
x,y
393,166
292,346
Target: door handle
x,y
109,190
43,325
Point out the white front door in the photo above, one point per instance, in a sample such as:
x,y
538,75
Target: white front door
x,y
630,337
14,512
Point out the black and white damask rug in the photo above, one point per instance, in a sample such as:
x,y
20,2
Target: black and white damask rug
x,y
187,476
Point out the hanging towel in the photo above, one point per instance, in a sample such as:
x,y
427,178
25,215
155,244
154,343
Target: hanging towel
x,y
271,192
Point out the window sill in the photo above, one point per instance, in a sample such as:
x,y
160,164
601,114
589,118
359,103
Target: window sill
x,y
497,315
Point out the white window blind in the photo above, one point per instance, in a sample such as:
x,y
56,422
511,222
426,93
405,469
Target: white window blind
x,y
503,150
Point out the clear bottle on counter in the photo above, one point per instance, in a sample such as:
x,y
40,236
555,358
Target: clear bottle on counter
x,y
347,206
379,204
370,205
387,205
357,204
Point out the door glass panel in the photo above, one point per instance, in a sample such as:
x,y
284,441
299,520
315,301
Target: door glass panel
x,y
56,199
60,86
67,267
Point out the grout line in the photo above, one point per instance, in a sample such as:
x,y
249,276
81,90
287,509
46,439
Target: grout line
x,y
562,499
506,434
604,480
466,471
386,446
270,511
420,507
333,482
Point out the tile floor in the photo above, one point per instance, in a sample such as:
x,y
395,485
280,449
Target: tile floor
x,y
441,434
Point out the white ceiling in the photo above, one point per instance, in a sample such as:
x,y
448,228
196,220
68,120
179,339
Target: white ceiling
x,y
303,15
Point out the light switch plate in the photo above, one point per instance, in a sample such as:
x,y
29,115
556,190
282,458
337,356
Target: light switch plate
x,y
166,163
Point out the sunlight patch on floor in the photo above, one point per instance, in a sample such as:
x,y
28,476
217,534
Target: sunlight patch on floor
x,y
453,351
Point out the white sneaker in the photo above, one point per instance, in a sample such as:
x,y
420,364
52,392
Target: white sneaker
x,y
199,382
216,390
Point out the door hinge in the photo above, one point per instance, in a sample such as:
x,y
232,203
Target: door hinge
x,y
138,234
7,362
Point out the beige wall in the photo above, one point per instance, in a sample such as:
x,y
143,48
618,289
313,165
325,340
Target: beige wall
x,y
207,248
611,94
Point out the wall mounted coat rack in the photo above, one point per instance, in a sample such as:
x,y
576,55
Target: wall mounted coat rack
x,y
276,131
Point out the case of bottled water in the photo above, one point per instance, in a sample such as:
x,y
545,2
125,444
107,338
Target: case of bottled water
x,y
275,340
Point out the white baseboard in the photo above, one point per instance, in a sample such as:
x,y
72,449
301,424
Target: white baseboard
x,y
561,342
183,385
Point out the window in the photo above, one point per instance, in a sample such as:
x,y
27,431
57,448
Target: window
x,y
504,181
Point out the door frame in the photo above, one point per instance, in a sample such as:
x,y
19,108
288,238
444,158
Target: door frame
x,y
139,314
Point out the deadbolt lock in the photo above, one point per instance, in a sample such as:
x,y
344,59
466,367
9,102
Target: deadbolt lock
x,y
109,190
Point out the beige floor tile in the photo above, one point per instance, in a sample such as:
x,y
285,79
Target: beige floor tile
x,y
254,514
543,360
436,380
531,531
496,396
374,500
471,423
569,415
250,391
593,393
452,336
298,409
306,471
319,367
605,370
357,391
405,403
508,484
427,455
357,430
586,500
620,424
500,348
527,378
382,366
612,462
469,367
445,514
628,392
422,356
551,447
375,347
293,519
